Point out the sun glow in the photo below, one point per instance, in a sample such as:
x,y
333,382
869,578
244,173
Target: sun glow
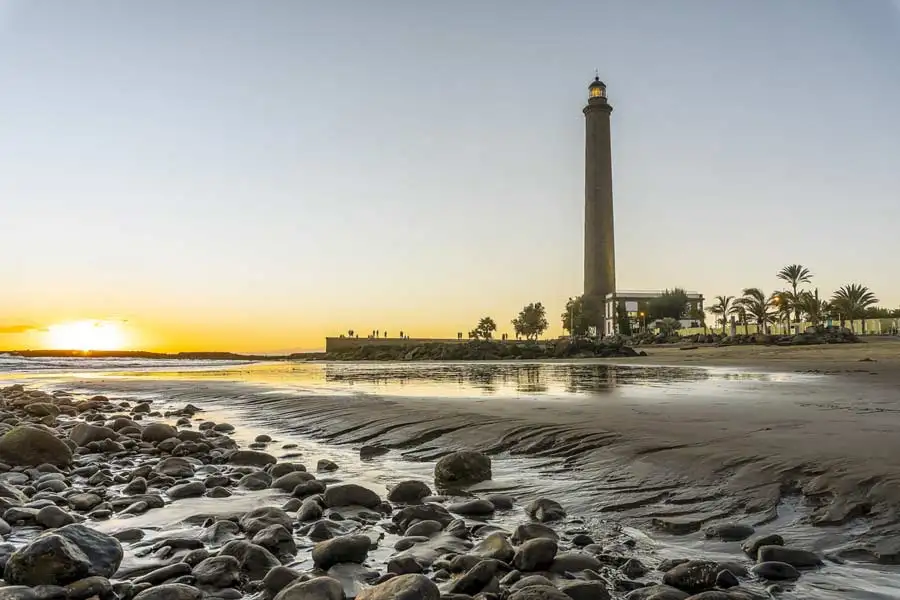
x,y
87,335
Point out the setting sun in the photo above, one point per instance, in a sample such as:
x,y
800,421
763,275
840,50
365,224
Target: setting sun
x,y
86,335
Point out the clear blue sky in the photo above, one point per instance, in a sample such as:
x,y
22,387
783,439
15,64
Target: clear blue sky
x,y
256,174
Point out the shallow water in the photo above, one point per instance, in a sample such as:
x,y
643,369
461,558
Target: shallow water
x,y
329,410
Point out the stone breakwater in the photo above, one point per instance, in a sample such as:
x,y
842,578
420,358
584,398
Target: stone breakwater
x,y
483,350
70,467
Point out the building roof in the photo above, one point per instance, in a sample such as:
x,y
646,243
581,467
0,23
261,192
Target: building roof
x,y
641,294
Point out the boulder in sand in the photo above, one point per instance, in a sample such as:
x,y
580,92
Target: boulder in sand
x,y
403,587
27,446
85,433
157,432
350,494
170,591
317,588
342,549
463,467
409,492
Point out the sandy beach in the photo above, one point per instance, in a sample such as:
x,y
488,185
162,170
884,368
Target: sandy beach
x,y
878,355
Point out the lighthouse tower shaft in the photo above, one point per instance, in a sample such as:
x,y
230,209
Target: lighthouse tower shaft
x,y
599,238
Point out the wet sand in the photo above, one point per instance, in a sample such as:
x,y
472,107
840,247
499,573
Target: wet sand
x,y
879,355
800,441
826,442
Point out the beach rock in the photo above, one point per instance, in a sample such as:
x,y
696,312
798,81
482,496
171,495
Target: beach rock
x,y
670,563
259,518
277,540
175,466
318,588
321,530
425,528
51,517
218,571
136,486
408,492
192,489
163,574
633,568
501,501
220,532
368,452
98,587
677,526
42,409
342,549
539,592
403,565
726,579
792,556
574,561
310,510
255,481
308,488
585,590
657,592
472,508
30,446
531,531
170,591
157,432
521,583
255,561
251,458
535,555
326,465
775,571
350,494
475,579
545,510
85,433
729,532
403,587
129,536
752,546
289,481
283,468
84,501
496,546
463,467
49,559
421,512
279,578
693,576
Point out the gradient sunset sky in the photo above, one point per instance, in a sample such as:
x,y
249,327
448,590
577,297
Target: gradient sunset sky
x,y
252,176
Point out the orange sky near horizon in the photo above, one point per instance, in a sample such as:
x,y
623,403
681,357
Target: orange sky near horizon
x,y
222,176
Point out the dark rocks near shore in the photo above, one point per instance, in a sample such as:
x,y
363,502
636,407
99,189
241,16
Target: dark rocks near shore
x,y
484,350
463,467
119,461
31,446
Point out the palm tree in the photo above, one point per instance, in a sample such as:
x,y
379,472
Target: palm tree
x,y
851,301
757,306
809,304
739,310
784,302
795,275
722,308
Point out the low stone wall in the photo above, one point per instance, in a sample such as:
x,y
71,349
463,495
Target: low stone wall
x,y
340,344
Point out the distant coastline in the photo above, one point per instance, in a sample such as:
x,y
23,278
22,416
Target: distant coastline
x,y
147,355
